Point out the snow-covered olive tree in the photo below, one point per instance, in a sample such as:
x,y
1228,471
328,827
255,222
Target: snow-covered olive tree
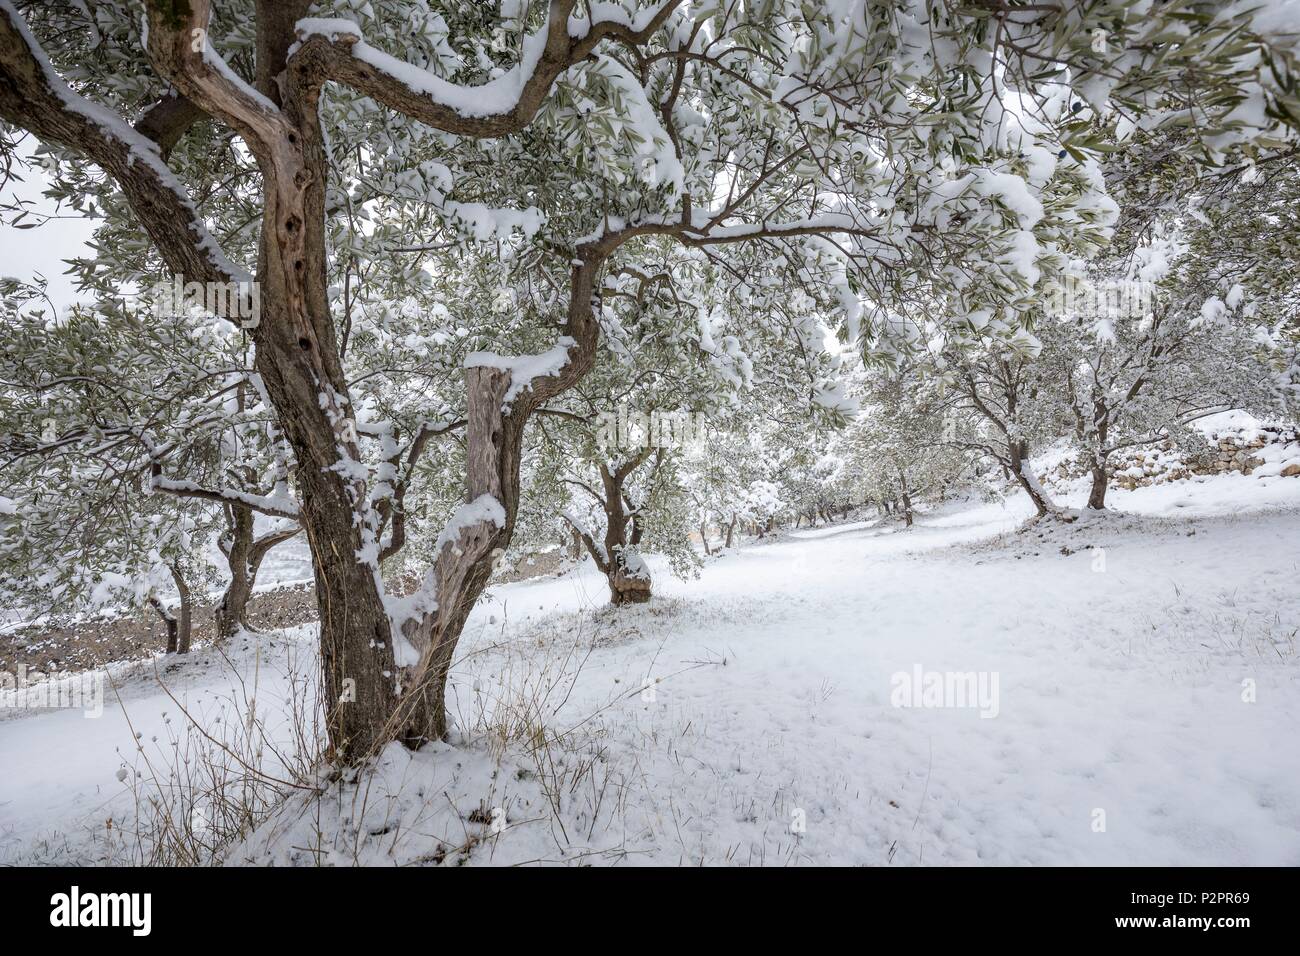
x,y
88,462
1137,355
871,149
897,446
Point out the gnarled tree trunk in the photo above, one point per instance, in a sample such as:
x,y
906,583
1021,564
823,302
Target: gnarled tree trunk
x,y
230,614
367,700
494,441
244,559
1100,482
1018,456
629,579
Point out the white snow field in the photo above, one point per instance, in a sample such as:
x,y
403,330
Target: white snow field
x,y
1146,709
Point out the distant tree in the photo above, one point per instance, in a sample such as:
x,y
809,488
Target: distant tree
x,y
897,446
89,470
1140,354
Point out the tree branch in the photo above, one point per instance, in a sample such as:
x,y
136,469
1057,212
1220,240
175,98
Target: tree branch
x,y
35,98
276,507
335,50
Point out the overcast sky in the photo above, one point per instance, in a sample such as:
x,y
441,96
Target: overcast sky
x,y
25,252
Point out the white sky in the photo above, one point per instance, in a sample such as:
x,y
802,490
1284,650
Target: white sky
x,y
25,252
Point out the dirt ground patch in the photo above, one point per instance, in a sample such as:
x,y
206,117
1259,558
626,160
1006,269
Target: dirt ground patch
x,y
89,644
94,643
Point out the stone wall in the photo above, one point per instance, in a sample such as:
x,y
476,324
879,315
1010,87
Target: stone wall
x,y
1243,451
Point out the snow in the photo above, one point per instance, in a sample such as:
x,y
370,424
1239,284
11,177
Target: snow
x,y
497,96
605,11
1014,193
659,158
485,509
68,795
524,369
761,694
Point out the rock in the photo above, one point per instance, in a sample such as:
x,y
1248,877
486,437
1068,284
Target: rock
x,y
1291,471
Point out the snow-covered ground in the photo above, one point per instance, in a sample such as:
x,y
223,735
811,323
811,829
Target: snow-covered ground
x,y
1140,702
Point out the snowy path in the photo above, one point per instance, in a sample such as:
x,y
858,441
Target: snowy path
x,y
1119,690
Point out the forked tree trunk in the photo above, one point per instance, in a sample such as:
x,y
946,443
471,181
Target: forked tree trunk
x,y
367,701
1097,462
298,359
629,581
231,613
494,442
1103,419
244,560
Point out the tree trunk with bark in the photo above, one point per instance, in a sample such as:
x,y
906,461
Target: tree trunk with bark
x,y
1097,457
185,629
368,700
629,580
1018,465
1100,482
494,441
169,622
230,614
244,556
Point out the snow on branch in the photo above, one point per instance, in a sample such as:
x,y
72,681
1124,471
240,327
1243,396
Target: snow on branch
x,y
706,229
595,548
524,369
485,509
336,50
34,97
278,507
